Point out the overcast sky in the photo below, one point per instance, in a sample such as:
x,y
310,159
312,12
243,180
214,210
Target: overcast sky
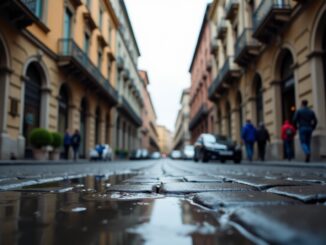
x,y
167,32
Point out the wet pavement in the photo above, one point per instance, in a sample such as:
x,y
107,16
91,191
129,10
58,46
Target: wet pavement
x,y
162,202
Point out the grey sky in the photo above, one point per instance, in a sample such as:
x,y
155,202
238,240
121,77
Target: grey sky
x,y
167,32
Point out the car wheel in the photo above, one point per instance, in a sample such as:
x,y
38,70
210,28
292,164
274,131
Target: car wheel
x,y
204,157
237,161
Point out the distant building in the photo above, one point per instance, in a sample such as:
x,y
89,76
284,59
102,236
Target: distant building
x,y
268,57
149,137
165,139
182,134
201,109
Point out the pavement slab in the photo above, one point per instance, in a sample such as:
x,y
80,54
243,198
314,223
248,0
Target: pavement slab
x,y
216,200
14,183
203,179
309,193
202,187
297,224
147,188
144,180
263,183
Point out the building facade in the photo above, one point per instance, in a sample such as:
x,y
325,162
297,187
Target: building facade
x,y
149,131
201,109
165,139
182,135
269,56
128,114
57,71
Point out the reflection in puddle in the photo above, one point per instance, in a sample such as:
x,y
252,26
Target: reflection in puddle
x,y
88,215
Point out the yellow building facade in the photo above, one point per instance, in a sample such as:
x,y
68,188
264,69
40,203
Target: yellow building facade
x,y
57,71
268,56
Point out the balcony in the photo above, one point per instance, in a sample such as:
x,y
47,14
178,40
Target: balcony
x,y
76,62
125,74
269,18
228,73
246,48
221,29
201,113
120,64
19,12
214,47
231,9
129,112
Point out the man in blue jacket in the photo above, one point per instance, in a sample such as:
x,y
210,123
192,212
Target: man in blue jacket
x,y
248,136
305,120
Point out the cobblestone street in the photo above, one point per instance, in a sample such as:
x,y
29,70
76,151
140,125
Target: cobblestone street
x,y
164,201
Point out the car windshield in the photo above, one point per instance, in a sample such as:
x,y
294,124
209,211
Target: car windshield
x,y
208,138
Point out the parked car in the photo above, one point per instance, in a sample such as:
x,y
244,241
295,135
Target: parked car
x,y
208,147
176,154
139,154
106,150
155,155
188,152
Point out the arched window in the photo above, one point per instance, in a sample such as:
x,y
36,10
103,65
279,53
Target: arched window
x,y
324,61
63,114
97,125
83,126
118,133
287,86
259,99
219,116
32,103
228,119
107,128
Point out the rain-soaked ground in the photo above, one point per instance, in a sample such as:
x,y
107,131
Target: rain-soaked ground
x,y
83,211
163,202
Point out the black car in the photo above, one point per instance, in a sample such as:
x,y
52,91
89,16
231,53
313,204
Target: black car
x,y
208,147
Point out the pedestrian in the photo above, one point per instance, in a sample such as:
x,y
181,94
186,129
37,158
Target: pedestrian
x,y
75,142
262,137
288,133
248,136
305,120
66,143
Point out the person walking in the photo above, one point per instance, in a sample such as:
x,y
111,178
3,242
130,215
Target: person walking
x,y
66,143
306,122
288,132
75,141
248,136
262,137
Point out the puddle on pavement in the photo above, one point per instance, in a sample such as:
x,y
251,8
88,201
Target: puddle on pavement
x,y
86,214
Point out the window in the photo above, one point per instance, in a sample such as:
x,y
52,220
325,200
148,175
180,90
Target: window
x,y
36,6
67,24
86,43
88,3
100,21
99,59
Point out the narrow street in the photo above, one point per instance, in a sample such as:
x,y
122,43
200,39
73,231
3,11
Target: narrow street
x,y
162,202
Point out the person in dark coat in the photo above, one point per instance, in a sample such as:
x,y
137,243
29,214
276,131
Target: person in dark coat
x,y
262,137
306,122
67,143
75,142
288,133
248,136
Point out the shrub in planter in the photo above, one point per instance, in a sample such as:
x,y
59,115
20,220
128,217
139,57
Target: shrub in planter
x,y
40,138
57,142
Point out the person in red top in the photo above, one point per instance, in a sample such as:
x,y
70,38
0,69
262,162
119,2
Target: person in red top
x,y
288,133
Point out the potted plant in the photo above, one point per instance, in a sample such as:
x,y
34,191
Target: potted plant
x,y
40,138
57,142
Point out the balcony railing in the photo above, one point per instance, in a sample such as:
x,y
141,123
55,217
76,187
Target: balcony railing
x,y
231,9
229,72
221,29
269,17
246,48
68,49
21,13
202,112
131,113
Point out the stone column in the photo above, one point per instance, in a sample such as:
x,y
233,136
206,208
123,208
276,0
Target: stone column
x,y
318,89
4,99
276,148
